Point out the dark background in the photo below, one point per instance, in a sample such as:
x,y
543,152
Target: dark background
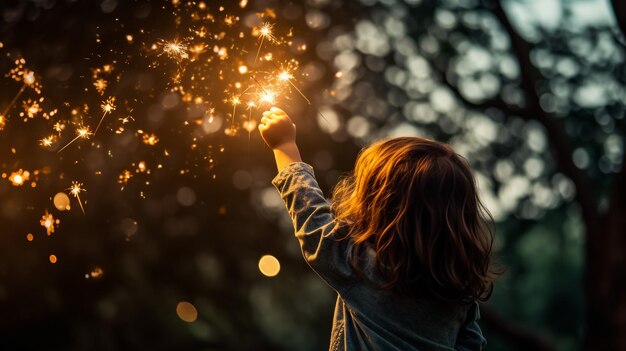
x,y
537,108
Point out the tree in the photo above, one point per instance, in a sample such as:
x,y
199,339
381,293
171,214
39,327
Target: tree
x,y
453,64
462,71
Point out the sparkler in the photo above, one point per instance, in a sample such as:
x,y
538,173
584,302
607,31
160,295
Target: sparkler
x,y
265,31
107,106
81,132
235,100
58,127
28,77
18,178
124,177
100,85
150,139
203,61
31,108
75,190
249,127
267,97
47,141
47,221
175,49
285,76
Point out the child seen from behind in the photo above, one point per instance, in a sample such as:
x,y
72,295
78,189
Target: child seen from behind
x,y
404,243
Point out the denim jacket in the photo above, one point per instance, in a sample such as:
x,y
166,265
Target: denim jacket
x,y
367,317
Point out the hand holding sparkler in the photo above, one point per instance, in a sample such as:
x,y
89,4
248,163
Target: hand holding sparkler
x,y
279,133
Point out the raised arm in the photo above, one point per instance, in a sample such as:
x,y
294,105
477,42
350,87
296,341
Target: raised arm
x,y
279,134
314,224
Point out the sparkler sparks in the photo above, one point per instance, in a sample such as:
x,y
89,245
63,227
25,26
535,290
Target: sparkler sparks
x,y
100,85
19,73
107,106
285,76
250,124
29,78
150,139
124,177
265,32
81,132
58,127
18,178
49,222
211,69
95,273
175,49
75,190
235,100
268,97
47,141
31,108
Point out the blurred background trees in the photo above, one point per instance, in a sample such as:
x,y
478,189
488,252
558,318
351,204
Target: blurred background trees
x,y
531,92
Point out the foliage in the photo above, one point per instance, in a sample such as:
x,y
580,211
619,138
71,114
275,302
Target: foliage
x,y
445,69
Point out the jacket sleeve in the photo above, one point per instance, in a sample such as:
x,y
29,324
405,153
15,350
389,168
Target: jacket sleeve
x,y
322,241
470,336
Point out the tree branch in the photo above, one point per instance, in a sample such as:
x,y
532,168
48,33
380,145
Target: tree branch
x,y
619,9
560,142
495,102
617,200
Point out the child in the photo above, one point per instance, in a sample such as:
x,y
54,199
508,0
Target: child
x,y
404,243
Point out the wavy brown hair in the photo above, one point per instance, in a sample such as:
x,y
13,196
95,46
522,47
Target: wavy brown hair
x,y
415,202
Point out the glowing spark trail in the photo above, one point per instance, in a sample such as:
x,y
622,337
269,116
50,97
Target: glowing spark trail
x,y
285,76
268,97
176,50
47,141
75,190
258,83
29,79
235,101
107,107
249,127
264,32
81,132
209,73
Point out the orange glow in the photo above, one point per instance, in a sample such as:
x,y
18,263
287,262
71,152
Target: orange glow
x,y
269,266
150,139
47,221
186,312
19,177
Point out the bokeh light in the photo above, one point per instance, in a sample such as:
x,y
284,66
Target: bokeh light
x,y
269,265
61,201
186,311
